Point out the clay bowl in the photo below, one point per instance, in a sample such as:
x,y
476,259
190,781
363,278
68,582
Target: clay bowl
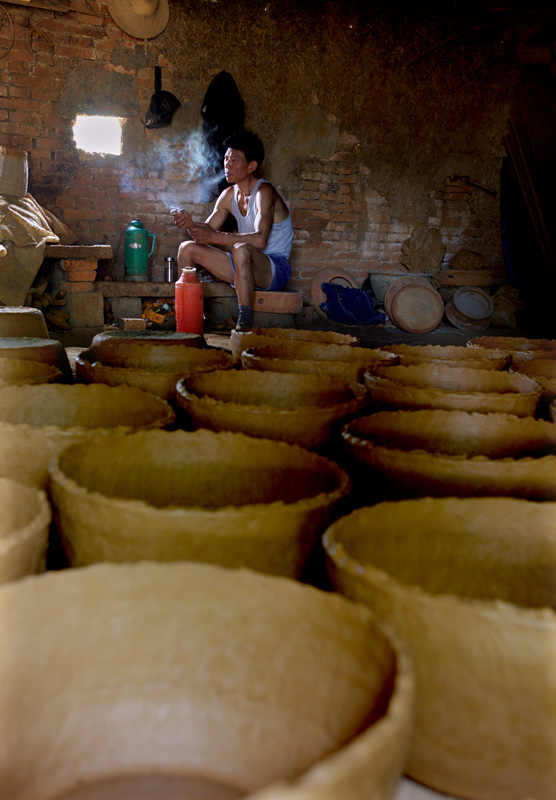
x,y
382,281
48,351
301,409
37,422
142,346
156,371
399,454
521,348
21,321
469,585
269,357
430,385
243,340
450,355
17,371
196,684
24,526
196,496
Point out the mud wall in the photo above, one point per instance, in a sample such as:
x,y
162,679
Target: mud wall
x,y
376,117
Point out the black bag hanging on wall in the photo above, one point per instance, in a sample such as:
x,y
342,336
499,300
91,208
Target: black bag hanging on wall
x,y
223,113
163,104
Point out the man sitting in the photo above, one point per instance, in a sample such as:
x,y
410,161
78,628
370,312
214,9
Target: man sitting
x,y
259,250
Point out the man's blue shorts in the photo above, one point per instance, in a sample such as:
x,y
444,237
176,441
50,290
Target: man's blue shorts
x,y
281,272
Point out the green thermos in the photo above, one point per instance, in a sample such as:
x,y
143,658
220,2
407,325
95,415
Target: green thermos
x,y
137,251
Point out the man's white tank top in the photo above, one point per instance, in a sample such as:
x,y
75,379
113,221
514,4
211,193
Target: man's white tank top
x,y
281,234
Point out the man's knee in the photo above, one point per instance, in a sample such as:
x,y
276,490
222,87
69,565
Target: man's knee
x,y
242,253
186,252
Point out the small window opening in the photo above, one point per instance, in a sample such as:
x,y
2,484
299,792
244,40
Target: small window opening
x,y
98,134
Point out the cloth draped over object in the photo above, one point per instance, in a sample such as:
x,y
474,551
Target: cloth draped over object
x,y
25,229
223,113
350,306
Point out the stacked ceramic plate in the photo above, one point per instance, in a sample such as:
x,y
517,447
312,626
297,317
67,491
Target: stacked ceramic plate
x,y
191,680
469,584
413,305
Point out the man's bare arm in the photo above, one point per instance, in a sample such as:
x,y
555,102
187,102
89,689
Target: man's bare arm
x,y
265,199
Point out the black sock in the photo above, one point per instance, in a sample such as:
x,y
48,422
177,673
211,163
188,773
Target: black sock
x,y
245,316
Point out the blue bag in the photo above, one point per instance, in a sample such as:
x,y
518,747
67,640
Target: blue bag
x,y
350,306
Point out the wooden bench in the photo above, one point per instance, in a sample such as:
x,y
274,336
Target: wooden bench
x,y
220,300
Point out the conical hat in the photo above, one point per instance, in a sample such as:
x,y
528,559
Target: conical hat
x,y
143,19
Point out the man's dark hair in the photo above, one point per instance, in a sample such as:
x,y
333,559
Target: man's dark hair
x,y
249,144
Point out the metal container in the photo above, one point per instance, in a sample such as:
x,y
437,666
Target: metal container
x,y
169,264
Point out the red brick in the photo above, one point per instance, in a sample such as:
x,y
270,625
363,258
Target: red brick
x,y
79,265
81,277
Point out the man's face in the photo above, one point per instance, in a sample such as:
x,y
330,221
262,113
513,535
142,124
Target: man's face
x,y
236,166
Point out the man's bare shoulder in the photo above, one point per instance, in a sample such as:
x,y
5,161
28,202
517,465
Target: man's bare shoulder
x,y
225,198
268,194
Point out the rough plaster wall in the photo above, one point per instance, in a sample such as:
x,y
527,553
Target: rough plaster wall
x,y
362,139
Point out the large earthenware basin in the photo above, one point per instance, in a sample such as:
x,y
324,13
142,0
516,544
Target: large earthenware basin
x,y
521,348
299,348
430,385
22,321
302,409
156,371
24,525
256,337
398,454
37,422
271,357
141,344
189,680
17,371
196,496
451,355
470,586
47,351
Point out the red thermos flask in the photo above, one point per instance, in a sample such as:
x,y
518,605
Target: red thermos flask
x,y
189,302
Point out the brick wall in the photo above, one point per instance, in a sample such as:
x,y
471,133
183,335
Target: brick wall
x,y
341,218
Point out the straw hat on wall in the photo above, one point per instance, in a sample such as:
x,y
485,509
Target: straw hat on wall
x,y
143,19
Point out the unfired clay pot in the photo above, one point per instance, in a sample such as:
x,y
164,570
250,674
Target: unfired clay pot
x,y
37,422
18,371
197,496
470,587
430,385
189,680
155,370
450,355
399,454
521,348
301,409
24,525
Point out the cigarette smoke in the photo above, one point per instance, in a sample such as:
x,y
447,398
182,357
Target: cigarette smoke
x,y
190,158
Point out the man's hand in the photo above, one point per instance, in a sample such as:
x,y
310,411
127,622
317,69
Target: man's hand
x,y
202,233
182,218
